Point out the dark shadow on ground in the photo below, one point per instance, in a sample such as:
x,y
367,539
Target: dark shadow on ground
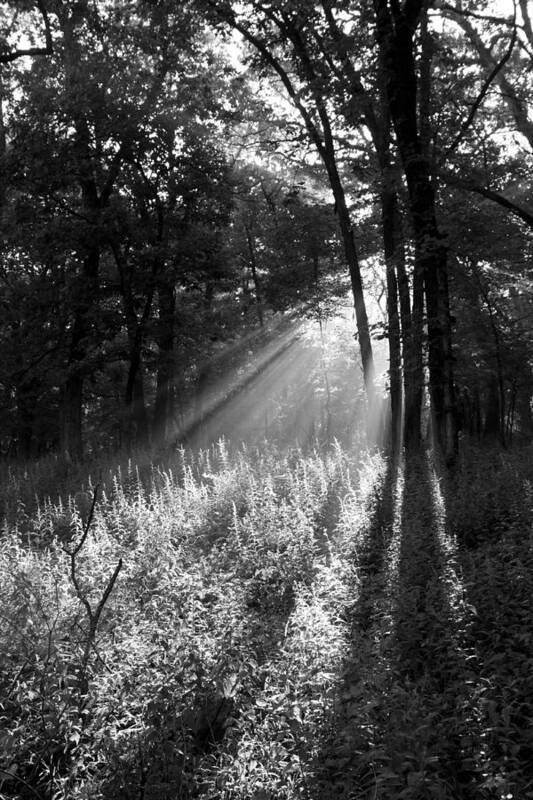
x,y
437,735
496,562
408,722
342,764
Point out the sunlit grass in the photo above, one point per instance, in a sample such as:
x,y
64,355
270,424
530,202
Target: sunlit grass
x,y
286,623
227,612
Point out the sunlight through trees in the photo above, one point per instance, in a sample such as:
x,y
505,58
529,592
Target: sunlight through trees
x,y
266,400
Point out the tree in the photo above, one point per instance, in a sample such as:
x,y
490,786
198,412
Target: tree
x,y
68,163
269,30
396,28
141,217
8,54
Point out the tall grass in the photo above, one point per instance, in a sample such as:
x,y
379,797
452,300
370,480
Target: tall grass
x,y
194,605
230,625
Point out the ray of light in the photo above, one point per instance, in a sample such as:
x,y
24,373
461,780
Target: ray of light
x,y
304,382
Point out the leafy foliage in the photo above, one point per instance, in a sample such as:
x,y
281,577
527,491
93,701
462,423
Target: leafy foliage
x,y
281,624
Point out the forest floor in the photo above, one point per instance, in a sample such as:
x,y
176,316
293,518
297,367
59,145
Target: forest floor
x,y
266,625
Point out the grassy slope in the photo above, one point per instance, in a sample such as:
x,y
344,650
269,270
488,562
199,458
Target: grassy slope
x,y
282,626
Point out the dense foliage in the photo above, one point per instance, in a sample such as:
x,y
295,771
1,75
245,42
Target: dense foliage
x,y
263,625
202,205
168,172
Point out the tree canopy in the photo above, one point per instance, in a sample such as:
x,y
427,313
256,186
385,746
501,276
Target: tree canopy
x,y
174,176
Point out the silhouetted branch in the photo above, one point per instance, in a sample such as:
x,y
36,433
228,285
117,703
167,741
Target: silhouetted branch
x,y
481,96
92,616
525,215
6,58
484,17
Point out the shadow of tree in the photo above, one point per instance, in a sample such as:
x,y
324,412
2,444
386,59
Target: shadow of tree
x,y
407,722
437,736
342,763
497,572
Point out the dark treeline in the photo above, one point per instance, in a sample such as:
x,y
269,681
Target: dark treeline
x,y
175,175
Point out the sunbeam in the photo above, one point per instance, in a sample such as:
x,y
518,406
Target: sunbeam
x,y
304,384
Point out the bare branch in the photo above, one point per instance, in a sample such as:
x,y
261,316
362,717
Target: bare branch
x,y
87,525
93,617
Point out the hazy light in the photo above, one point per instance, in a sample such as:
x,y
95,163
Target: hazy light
x,y
303,384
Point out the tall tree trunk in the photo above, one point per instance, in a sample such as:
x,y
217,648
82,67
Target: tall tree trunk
x,y
325,145
414,366
498,355
137,423
71,402
388,202
396,30
324,142
26,403
409,334
432,257
352,260
165,361
523,407
70,437
492,423
255,276
411,376
136,415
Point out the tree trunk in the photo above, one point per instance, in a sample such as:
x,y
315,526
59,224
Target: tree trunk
x,y
432,256
71,441
137,426
498,356
165,362
350,250
394,249
523,407
492,424
70,438
255,276
325,145
414,367
26,404
388,202
398,53
137,423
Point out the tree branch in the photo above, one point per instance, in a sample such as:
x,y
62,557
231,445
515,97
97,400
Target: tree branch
x,y
47,50
484,17
496,197
479,99
275,64
353,74
528,28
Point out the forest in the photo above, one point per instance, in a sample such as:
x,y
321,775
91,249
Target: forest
x,y
266,384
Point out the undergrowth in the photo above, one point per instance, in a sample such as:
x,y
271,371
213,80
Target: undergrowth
x,y
263,625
